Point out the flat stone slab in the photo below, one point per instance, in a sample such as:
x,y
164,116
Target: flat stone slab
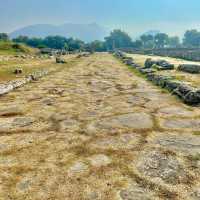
x,y
156,164
11,111
176,111
99,160
78,168
135,192
181,123
125,141
137,121
183,143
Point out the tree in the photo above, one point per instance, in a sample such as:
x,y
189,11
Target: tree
x,y
35,42
137,44
21,39
97,45
147,41
191,38
55,42
118,39
4,36
161,39
174,42
75,44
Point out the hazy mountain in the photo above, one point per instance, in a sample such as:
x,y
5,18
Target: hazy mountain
x,y
86,32
152,32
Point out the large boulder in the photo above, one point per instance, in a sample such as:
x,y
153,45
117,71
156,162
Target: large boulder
x,y
148,63
192,97
60,60
190,68
158,64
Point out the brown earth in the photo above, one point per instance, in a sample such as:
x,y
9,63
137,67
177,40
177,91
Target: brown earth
x,y
94,130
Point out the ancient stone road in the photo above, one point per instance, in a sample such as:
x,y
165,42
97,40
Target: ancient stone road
x,y
97,131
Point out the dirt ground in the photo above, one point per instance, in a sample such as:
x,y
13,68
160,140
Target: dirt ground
x,y
94,130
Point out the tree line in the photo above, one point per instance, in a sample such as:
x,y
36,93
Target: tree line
x,y
116,39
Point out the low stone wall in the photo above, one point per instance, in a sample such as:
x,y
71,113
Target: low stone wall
x,y
190,68
11,85
183,53
187,93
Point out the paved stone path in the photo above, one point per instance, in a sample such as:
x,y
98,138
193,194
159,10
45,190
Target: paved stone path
x,y
96,131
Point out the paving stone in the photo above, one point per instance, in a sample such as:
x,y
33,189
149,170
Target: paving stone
x,y
176,111
135,192
183,143
156,164
99,160
78,168
125,141
11,111
181,123
138,121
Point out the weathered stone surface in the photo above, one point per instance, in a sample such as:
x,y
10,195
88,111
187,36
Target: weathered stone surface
x,y
147,71
70,125
23,121
11,111
156,164
182,143
99,160
132,120
191,68
78,168
176,111
158,64
60,60
134,192
179,123
125,141
192,97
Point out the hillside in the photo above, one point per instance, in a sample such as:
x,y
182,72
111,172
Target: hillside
x,y
13,48
85,32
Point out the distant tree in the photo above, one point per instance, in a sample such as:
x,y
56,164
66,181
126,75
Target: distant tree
x,y
56,42
174,42
161,39
191,38
97,45
21,39
147,41
35,42
75,44
118,39
4,36
137,44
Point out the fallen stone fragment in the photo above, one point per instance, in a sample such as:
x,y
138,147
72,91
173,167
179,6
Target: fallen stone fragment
x,y
190,68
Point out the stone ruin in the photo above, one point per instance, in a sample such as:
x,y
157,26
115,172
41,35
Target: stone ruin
x,y
190,68
187,93
158,64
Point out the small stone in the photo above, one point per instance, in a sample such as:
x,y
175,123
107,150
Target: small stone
x,y
99,160
22,121
78,167
10,111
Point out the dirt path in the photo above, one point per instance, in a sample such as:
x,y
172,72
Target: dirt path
x,y
96,131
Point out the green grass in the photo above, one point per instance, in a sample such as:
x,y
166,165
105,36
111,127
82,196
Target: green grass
x,y
10,48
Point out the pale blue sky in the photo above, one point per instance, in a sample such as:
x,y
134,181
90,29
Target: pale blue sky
x,y
134,16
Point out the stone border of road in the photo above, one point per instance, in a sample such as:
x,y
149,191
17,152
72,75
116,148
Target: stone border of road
x,y
187,93
11,85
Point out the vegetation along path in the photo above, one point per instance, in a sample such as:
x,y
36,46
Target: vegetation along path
x,y
97,131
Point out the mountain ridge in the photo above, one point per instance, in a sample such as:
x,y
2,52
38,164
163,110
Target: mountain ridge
x,y
85,32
